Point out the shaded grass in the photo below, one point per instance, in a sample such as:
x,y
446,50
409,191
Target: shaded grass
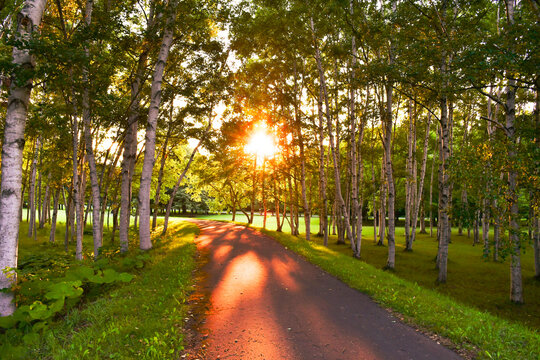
x,y
472,280
140,320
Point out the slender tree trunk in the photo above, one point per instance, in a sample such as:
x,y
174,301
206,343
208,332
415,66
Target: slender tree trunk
x,y
536,246
431,198
52,234
164,153
339,199
39,198
263,192
130,145
28,21
390,264
90,158
150,143
382,208
32,190
419,196
24,182
46,203
409,182
67,205
179,181
322,171
444,192
253,190
516,283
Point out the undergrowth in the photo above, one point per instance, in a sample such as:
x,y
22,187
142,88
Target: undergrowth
x,y
141,319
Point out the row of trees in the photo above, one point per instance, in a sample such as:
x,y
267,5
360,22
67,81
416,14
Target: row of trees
x,y
374,102
83,81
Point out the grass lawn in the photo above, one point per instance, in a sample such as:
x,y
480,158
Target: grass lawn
x,y
142,319
472,280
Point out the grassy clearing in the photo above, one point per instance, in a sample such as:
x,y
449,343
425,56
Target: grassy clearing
x,y
140,320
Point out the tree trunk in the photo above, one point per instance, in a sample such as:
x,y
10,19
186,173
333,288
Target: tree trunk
x,y
26,176
409,181
164,153
32,190
420,196
444,192
150,140
322,171
54,216
46,203
177,185
28,21
253,192
90,158
130,146
263,191
335,155
67,205
390,264
431,198
382,208
516,284
39,198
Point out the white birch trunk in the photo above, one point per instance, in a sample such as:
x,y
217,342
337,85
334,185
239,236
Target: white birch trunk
x,y
419,196
90,158
516,283
150,139
12,153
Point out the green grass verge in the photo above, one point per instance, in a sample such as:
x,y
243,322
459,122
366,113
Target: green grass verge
x,y
490,336
140,320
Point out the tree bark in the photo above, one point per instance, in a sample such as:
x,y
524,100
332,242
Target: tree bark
x,y
130,140
28,21
391,262
516,283
150,140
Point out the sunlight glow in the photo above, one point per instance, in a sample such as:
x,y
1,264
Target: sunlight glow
x,y
261,144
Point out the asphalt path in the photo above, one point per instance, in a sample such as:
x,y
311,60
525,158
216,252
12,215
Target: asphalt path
x,y
266,302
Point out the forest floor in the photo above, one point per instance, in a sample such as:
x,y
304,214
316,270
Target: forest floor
x,y
265,302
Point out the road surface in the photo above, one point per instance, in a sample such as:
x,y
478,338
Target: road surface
x,y
266,302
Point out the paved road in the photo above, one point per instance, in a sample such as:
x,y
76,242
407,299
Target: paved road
x,y
268,303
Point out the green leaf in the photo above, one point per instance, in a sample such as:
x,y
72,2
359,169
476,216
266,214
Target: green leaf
x,y
125,277
31,337
61,290
7,322
39,311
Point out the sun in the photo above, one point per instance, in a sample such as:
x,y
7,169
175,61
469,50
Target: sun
x,y
261,144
